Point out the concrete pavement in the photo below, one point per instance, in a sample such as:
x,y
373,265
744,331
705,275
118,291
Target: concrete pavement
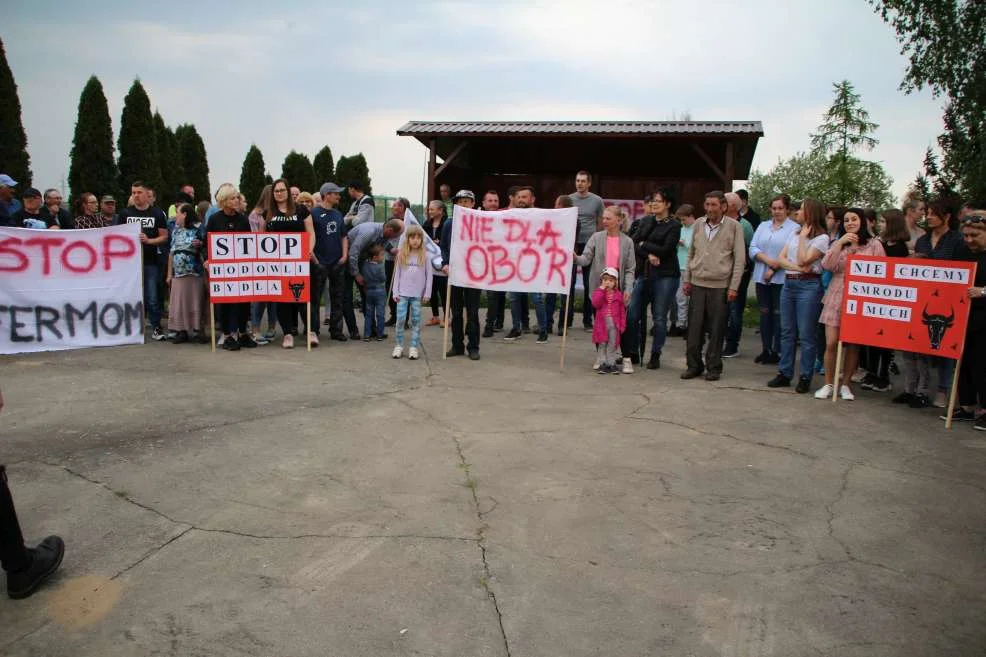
x,y
269,502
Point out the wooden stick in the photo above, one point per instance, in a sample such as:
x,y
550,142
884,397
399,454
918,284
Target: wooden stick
x,y
212,323
838,372
448,305
308,325
951,397
564,331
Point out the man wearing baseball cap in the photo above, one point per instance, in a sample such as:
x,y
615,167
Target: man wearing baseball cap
x,y
461,296
7,185
30,215
332,252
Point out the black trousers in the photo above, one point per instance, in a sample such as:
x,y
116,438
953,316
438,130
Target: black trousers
x,y
468,298
332,277
389,269
972,373
439,288
708,312
496,306
348,310
287,317
13,554
233,317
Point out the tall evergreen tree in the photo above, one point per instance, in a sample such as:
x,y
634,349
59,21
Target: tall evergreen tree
x,y
252,175
194,161
351,168
323,165
172,172
845,128
92,167
138,142
14,160
297,170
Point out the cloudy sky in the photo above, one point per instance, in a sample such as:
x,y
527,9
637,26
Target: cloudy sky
x,y
301,74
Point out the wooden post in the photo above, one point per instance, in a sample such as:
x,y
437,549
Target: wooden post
x,y
212,323
838,372
448,304
432,152
308,324
951,397
730,167
564,332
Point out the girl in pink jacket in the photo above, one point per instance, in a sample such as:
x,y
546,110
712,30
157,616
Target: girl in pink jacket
x,y
611,320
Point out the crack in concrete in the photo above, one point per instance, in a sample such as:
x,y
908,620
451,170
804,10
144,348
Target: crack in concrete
x,y
830,510
755,443
150,553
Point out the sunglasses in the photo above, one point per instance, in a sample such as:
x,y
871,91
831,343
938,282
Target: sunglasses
x,y
974,218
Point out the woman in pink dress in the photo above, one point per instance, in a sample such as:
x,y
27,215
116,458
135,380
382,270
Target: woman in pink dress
x,y
853,239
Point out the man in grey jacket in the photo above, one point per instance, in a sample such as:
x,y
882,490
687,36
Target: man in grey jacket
x,y
361,238
361,211
712,278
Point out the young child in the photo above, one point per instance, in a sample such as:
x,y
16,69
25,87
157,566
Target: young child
x,y
412,287
611,320
375,277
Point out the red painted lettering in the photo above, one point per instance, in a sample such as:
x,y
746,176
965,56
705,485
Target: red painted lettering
x,y
476,250
485,228
8,251
499,258
45,243
517,229
529,253
79,269
468,230
127,249
545,233
558,260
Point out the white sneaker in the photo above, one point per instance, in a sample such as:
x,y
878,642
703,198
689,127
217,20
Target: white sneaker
x,y
412,353
399,351
313,338
825,392
940,401
627,366
846,393
599,361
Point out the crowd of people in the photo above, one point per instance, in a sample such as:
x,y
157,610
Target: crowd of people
x,y
692,272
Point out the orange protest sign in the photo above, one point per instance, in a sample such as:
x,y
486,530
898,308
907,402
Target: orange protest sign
x,y
259,267
911,304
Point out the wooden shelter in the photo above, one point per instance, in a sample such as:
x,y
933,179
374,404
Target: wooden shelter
x,y
626,159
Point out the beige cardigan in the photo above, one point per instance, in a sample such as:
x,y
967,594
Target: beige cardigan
x,y
718,263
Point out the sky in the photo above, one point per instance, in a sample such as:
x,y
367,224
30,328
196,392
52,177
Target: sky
x,y
301,74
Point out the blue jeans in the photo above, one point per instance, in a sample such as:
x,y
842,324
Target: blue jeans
x,y
414,304
734,330
769,300
376,303
257,309
659,293
540,312
800,308
152,296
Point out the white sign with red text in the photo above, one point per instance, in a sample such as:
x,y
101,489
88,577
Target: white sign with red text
x,y
517,250
70,289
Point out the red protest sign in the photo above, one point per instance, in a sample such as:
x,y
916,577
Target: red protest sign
x,y
259,267
911,304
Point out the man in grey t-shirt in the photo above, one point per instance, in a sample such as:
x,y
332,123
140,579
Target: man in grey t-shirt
x,y
590,208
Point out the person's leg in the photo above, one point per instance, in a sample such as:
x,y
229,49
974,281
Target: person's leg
x,y
734,316
831,351
13,553
501,310
335,277
348,309
682,302
807,309
586,298
151,299
402,306
696,328
924,376
491,313
664,291
415,305
381,320
540,311
775,306
639,333
319,275
470,298
611,338
515,311
972,373
549,311
389,269
367,316
571,288
458,334
287,317
946,369
764,299
436,298
850,363
630,345
790,327
717,314
26,568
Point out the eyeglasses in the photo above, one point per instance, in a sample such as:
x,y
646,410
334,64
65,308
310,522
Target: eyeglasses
x,y
280,191
974,218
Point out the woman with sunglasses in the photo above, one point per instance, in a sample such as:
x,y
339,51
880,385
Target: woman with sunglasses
x,y
972,370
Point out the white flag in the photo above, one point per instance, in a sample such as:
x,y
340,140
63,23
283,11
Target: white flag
x,y
434,251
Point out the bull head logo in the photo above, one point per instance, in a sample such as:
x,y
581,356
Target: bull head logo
x,y
298,288
937,325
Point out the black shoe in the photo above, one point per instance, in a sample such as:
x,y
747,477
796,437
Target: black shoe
x,y
181,338
525,329
730,353
771,359
230,344
920,401
354,336
605,369
780,381
903,398
675,332
488,332
712,376
655,362
561,331
327,322
474,354
691,374
882,385
247,342
202,338
391,322
959,415
453,352
616,369
980,424
45,560
498,327
366,339
868,382
340,337
542,338
381,337
551,329
804,385
513,335
759,359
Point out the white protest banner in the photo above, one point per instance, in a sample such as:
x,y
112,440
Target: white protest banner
x,y
70,289
517,250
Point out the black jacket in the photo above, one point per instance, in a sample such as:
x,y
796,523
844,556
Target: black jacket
x,y
659,238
